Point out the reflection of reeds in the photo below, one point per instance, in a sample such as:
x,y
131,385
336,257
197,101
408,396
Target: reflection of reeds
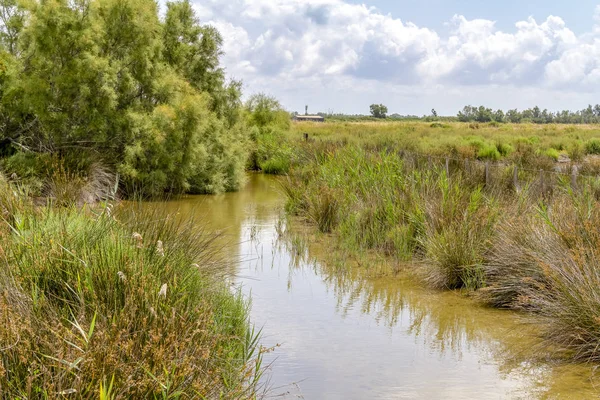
x,y
445,322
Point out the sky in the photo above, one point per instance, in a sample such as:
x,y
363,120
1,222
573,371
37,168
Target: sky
x,y
412,55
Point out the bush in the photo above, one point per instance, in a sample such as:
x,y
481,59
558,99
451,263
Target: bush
x,y
151,106
439,125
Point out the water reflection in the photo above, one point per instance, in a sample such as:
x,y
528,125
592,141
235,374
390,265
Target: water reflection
x,y
347,334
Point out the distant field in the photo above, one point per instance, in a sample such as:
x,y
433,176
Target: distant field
x,y
474,140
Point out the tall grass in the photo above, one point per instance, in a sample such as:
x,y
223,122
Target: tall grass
x,y
459,226
528,145
117,306
551,265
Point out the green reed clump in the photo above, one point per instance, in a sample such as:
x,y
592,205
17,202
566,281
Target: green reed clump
x,y
271,154
323,208
459,224
374,193
592,146
132,307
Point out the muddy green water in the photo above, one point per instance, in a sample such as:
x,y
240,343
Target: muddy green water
x,y
338,336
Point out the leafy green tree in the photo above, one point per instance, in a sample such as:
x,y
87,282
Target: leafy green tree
x,y
513,116
484,114
499,116
378,110
467,114
194,51
12,18
109,78
264,110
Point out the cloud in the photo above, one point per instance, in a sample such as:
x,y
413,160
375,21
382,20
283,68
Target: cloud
x,y
477,53
333,43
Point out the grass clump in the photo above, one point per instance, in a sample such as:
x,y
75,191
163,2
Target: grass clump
x,y
276,166
323,210
127,307
592,146
553,154
553,269
459,226
489,153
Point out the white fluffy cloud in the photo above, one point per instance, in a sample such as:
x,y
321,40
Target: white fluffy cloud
x,y
318,44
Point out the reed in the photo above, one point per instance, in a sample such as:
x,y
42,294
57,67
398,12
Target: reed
x,y
549,264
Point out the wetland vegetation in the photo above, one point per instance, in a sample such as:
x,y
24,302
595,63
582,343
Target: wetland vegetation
x,y
103,100
530,246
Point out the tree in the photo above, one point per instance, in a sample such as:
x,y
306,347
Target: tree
x,y
378,110
468,114
513,116
110,79
499,116
194,51
12,18
434,113
264,110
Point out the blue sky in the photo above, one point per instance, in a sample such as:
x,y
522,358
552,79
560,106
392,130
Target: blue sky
x,y
435,13
343,55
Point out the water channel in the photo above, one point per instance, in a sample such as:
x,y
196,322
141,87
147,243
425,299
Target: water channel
x,y
339,335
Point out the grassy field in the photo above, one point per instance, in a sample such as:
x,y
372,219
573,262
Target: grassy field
x,y
96,303
533,247
524,143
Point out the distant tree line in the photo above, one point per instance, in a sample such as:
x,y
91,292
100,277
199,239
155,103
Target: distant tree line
x,y
589,115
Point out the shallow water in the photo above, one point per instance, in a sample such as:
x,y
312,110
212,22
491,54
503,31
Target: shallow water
x,y
337,335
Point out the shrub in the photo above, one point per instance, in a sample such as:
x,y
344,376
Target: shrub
x,y
439,125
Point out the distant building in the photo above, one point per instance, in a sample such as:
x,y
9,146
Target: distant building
x,y
308,118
